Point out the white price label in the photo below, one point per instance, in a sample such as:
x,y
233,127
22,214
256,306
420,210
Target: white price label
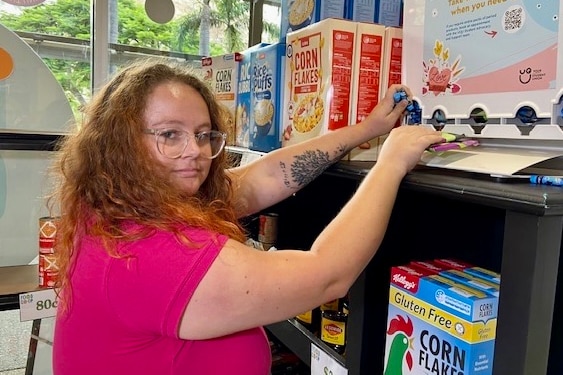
x,y
323,364
38,305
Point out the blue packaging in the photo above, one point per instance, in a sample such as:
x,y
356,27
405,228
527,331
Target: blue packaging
x,y
243,111
438,326
383,12
297,14
266,97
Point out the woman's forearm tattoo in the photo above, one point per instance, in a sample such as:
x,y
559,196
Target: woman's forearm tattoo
x,y
309,165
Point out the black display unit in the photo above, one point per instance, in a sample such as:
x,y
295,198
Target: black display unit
x,y
514,228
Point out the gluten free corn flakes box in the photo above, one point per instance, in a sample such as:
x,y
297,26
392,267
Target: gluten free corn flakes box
x,y
318,78
437,326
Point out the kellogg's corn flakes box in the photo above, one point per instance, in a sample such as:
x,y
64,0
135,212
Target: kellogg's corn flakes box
x,y
472,281
366,83
318,79
471,269
297,14
266,97
484,274
438,326
221,72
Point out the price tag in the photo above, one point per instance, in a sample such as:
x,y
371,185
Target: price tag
x,y
323,364
38,305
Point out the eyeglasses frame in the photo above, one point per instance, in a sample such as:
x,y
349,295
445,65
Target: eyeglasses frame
x,y
191,136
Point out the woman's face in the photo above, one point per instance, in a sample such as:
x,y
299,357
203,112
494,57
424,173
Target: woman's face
x,y
176,106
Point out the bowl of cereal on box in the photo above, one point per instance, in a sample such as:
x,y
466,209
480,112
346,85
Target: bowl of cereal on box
x,y
308,115
300,13
263,116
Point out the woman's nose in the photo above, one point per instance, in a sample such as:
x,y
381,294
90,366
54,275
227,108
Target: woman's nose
x,y
191,148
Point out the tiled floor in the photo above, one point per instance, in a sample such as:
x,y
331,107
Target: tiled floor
x,y
14,343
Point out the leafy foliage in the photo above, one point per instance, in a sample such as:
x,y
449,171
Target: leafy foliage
x,y
71,18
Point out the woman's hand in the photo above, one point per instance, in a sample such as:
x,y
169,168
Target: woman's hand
x,y
404,146
386,113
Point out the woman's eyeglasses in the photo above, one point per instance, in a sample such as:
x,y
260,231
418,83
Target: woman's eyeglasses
x,y
172,142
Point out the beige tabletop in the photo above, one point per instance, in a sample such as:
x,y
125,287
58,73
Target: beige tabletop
x,y
18,279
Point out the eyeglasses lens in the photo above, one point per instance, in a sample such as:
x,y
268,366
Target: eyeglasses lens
x,y
172,145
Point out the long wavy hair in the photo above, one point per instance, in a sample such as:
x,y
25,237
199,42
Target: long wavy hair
x,y
104,175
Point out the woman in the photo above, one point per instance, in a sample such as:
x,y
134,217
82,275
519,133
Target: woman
x,y
155,277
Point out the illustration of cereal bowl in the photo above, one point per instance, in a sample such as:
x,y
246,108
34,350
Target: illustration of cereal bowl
x,y
300,13
307,117
263,116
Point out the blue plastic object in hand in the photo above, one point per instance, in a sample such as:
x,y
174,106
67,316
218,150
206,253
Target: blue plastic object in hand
x,y
413,108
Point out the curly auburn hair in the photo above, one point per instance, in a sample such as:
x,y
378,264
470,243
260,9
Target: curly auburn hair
x,y
105,176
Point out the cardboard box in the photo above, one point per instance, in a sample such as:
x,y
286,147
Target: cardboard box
x,y
221,72
266,97
243,112
436,325
472,281
297,14
383,12
318,75
366,81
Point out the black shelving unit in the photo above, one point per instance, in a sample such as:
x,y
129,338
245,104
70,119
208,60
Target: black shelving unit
x,y
510,227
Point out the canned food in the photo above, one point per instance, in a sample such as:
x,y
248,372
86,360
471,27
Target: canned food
x,y
47,234
268,231
48,270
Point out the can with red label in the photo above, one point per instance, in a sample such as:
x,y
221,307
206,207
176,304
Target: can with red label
x,y
268,230
47,234
48,270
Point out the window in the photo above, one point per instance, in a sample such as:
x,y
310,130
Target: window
x,y
59,31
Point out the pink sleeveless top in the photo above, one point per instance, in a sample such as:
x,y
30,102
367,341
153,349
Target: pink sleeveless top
x,y
125,314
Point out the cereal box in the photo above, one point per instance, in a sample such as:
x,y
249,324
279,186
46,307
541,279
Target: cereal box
x,y
472,281
484,274
266,90
392,65
366,81
221,72
383,12
297,14
242,112
470,269
318,75
428,266
438,326
453,263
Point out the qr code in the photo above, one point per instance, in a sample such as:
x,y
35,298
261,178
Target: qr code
x,y
513,19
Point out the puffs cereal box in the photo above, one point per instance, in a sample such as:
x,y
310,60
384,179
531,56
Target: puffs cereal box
x,y
221,72
437,326
242,112
266,90
318,78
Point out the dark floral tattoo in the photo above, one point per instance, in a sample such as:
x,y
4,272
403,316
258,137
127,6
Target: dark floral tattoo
x,y
310,165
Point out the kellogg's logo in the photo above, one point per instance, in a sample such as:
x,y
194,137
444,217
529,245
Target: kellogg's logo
x,y
404,282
